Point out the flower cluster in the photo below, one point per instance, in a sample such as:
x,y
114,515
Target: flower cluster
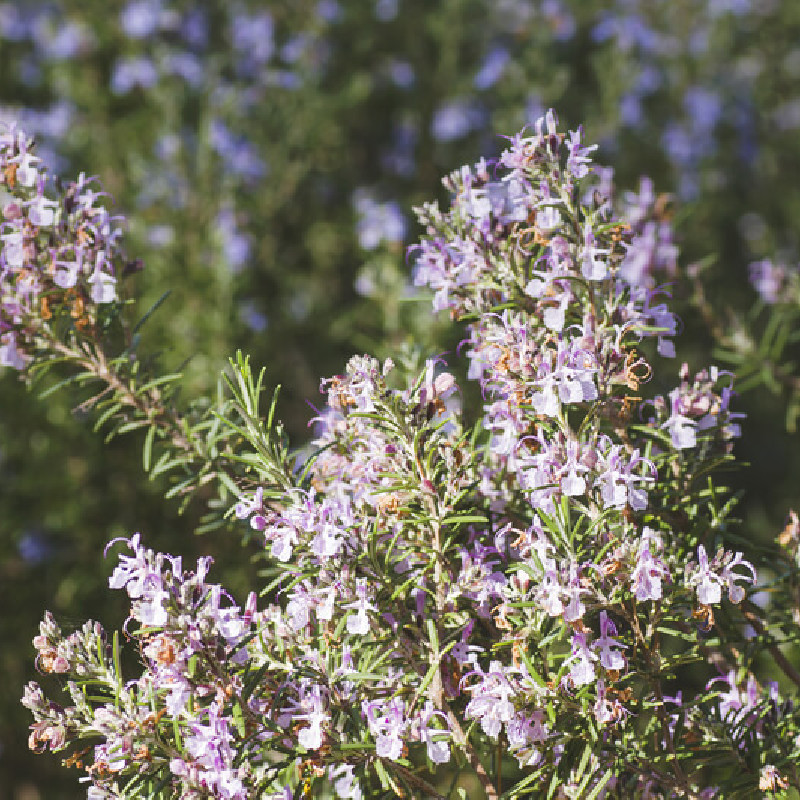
x,y
775,283
699,411
58,257
438,587
189,634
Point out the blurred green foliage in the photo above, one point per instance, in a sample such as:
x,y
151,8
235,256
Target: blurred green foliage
x,y
267,155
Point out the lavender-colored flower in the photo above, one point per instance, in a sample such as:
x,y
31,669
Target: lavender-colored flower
x,y
708,577
386,10
700,406
454,120
704,108
595,267
768,279
650,570
10,354
616,478
136,574
236,245
298,609
245,508
582,671
253,36
312,703
140,18
210,757
579,160
706,580
61,41
329,10
186,66
491,699
378,222
492,68
239,155
743,703
507,200
388,725
132,72
606,645
525,731
103,284
436,739
194,28
358,623
736,593
344,782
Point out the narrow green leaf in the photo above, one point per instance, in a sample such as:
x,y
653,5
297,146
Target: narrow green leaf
x,y
151,311
128,427
147,450
601,784
60,385
152,384
180,487
238,719
106,415
273,405
463,519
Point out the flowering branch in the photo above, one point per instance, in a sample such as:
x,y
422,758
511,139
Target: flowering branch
x,y
522,585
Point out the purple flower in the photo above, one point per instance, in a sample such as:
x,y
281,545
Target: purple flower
x,y
610,658
602,709
388,725
707,582
312,704
194,28
329,10
134,573
453,120
245,508
209,758
492,68
344,782
579,159
704,108
736,704
436,739
10,355
378,222
131,72
490,702
768,279
103,285
253,36
140,19
507,199
239,155
358,623
736,593
401,73
186,66
594,266
582,671
386,10
708,578
649,570
236,245
524,731
617,479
